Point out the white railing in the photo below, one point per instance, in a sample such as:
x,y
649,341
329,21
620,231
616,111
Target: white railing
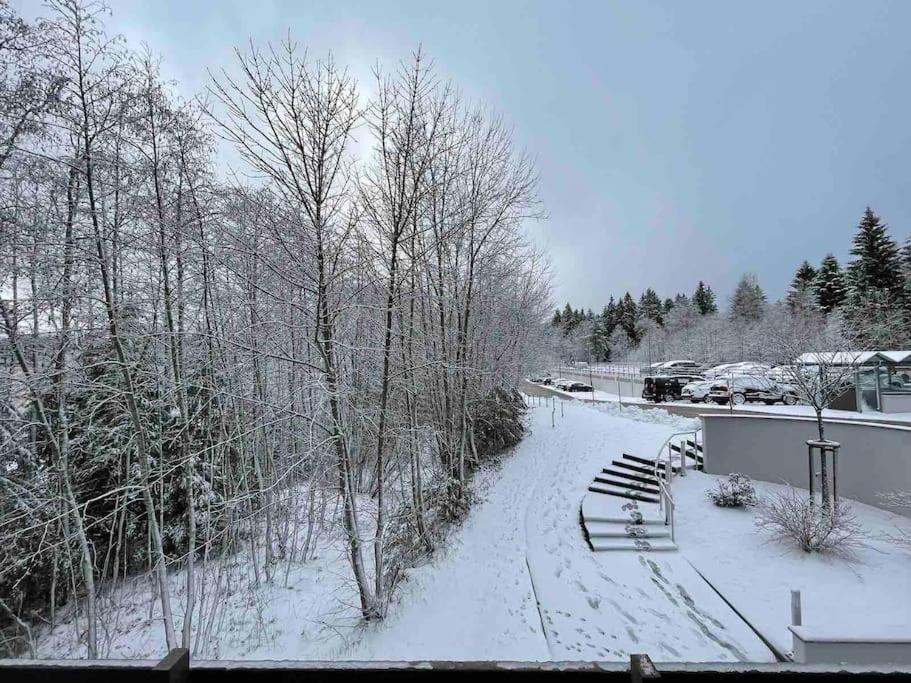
x,y
666,503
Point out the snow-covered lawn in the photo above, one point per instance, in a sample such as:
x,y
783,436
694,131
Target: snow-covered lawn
x,y
756,572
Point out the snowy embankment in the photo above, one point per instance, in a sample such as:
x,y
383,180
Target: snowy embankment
x,y
865,594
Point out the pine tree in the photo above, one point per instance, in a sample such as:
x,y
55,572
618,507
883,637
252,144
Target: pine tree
x,y
830,287
877,263
801,293
650,306
704,298
627,313
906,270
748,301
557,320
600,338
569,319
609,317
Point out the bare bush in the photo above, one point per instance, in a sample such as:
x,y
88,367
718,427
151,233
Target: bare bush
x,y
898,499
736,492
815,528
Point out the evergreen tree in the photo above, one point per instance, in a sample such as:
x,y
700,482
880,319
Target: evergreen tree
x,y
829,286
609,317
704,298
650,307
668,306
877,263
906,270
600,338
748,301
801,293
557,320
568,318
627,313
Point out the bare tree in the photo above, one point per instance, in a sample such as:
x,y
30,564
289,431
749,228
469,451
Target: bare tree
x,y
821,351
292,122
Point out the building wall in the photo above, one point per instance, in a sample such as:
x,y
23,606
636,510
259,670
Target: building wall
x,y
896,402
873,457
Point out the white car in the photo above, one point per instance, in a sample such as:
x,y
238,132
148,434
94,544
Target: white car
x,y
561,383
741,369
672,367
697,392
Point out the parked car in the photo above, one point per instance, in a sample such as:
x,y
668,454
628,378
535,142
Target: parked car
x,y
666,387
547,381
737,369
652,369
561,383
577,386
750,389
536,380
674,367
698,392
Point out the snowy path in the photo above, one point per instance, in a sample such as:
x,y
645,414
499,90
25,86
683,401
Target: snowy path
x,y
477,602
524,543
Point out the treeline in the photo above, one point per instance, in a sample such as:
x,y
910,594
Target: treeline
x,y
872,296
622,324
195,367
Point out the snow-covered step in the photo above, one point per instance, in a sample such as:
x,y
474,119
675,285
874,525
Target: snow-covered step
x,y
599,508
644,461
645,521
628,544
621,493
627,484
626,530
635,469
636,477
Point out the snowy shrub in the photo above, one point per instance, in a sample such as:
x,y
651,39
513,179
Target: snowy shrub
x,y
814,527
736,492
898,499
497,423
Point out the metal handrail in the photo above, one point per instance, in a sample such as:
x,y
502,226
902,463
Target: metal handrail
x,y
665,499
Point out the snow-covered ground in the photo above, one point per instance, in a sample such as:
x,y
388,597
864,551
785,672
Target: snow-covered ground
x,y
517,580
864,595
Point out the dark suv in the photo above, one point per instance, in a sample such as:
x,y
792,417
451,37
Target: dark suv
x,y
666,387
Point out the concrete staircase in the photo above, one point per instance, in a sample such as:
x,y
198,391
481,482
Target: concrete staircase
x,y
620,511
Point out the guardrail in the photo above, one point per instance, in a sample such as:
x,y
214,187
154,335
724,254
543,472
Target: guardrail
x,y
666,503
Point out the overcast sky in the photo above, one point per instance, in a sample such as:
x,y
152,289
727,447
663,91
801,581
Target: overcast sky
x,y
676,141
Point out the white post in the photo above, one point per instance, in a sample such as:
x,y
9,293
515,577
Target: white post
x,y
796,616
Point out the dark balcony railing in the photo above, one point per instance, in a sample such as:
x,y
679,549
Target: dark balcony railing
x,y
176,667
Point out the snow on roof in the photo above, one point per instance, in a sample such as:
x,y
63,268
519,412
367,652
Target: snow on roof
x,y
854,357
